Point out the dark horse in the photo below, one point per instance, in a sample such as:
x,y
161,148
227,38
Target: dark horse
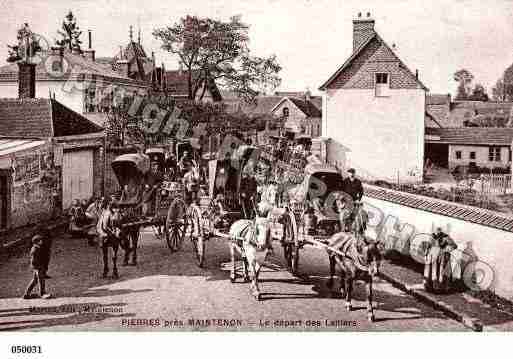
x,y
113,235
357,258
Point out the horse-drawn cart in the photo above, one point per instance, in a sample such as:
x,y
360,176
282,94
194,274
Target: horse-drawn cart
x,y
211,214
311,212
148,200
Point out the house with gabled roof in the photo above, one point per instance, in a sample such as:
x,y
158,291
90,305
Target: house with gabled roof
x,y
301,116
374,105
80,81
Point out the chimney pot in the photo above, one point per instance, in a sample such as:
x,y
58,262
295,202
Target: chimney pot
x,y
359,14
417,74
368,14
90,39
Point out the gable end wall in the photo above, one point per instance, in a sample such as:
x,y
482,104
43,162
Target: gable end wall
x,y
376,57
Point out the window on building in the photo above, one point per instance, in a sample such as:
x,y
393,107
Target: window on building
x,y
472,155
382,84
494,154
458,155
286,112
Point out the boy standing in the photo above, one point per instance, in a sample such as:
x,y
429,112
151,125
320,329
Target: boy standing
x,y
38,263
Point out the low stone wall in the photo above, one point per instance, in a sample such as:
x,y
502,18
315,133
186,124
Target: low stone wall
x,y
484,238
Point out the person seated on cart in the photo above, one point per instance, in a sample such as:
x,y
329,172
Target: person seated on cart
x,y
317,204
93,211
171,167
185,163
247,194
153,182
191,184
221,217
77,215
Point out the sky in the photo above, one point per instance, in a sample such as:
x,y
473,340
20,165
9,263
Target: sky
x,y
310,38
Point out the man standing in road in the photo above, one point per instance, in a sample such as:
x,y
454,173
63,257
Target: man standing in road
x,y
353,186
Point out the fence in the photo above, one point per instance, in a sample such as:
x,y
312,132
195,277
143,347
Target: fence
x,y
494,183
464,193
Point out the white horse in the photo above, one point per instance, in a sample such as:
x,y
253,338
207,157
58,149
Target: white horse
x,y
252,239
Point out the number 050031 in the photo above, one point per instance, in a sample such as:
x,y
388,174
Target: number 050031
x,y
26,349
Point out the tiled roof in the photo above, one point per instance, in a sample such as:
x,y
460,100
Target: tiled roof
x,y
438,99
290,93
77,66
105,60
431,121
471,135
355,54
262,106
307,107
41,118
445,208
317,102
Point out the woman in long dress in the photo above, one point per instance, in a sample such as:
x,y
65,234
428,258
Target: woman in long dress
x,y
438,269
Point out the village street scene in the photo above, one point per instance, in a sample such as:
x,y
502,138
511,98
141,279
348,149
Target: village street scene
x,y
200,168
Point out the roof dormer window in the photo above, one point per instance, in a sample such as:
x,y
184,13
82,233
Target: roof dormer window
x,y
382,84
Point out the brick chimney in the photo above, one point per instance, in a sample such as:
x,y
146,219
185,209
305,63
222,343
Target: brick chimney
x,y
89,54
363,29
26,80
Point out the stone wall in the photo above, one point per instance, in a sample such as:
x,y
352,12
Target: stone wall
x,y
484,238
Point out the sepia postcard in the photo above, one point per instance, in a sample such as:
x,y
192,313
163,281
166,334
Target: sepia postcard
x,y
255,166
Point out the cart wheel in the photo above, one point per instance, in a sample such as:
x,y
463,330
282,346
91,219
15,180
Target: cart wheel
x,y
175,224
291,245
294,261
196,233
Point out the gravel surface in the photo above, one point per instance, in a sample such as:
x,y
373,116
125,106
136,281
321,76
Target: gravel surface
x,y
167,291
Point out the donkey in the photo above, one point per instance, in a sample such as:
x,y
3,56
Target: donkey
x,y
252,240
357,258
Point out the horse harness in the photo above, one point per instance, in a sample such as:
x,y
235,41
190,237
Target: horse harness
x,y
354,250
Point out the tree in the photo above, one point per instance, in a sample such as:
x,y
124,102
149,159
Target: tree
x,y
499,93
503,89
464,78
145,120
214,52
27,45
70,33
478,93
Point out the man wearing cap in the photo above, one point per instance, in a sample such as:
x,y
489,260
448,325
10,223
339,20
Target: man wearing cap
x,y
353,186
